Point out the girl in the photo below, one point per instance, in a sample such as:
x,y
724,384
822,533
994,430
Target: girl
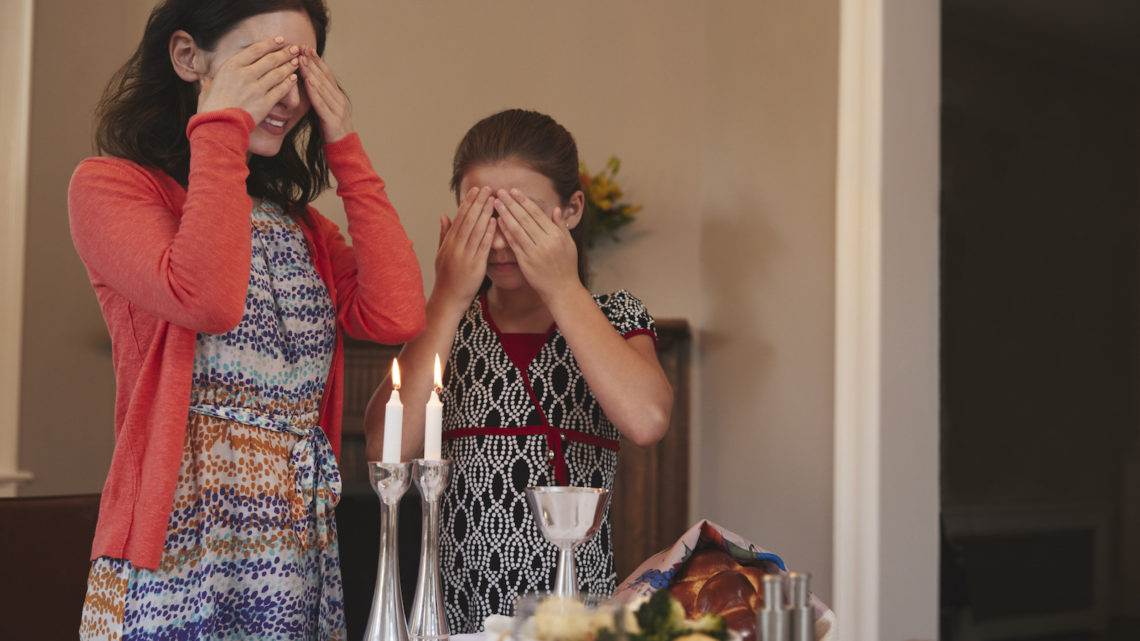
x,y
226,295
542,380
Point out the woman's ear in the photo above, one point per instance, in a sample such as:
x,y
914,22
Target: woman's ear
x,y
188,60
574,209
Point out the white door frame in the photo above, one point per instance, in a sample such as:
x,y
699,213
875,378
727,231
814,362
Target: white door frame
x,y
15,102
886,533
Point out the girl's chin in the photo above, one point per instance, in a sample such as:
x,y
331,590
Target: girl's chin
x,y
507,281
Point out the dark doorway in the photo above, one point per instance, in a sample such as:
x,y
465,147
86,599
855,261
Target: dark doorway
x,y
1040,339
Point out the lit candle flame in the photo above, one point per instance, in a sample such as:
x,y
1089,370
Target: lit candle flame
x,y
438,376
395,375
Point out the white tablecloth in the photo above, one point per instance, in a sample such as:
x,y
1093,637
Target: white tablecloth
x,y
824,631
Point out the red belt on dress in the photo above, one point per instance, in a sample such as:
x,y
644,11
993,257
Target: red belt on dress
x,y
554,439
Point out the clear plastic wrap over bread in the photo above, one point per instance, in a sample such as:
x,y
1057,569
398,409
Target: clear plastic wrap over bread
x,y
711,569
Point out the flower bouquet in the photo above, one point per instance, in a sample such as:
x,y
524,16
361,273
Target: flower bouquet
x,y
602,199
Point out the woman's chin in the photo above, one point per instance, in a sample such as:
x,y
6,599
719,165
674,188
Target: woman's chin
x,y
267,146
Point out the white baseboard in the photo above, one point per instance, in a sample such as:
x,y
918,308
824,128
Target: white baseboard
x,y
10,480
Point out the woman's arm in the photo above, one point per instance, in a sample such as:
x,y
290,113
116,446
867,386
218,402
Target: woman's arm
x,y
380,292
460,265
186,260
188,265
379,288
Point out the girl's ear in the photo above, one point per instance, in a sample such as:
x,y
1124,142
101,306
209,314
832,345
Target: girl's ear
x,y
186,57
573,211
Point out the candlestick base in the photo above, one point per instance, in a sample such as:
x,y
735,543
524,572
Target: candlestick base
x,y
428,621
386,619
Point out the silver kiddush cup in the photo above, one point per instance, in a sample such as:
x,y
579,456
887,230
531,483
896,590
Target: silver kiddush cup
x,y
427,621
386,620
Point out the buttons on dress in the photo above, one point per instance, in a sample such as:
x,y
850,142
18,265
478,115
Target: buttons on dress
x,y
550,455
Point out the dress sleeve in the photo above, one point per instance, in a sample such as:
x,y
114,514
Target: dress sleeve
x,y
627,314
186,262
379,288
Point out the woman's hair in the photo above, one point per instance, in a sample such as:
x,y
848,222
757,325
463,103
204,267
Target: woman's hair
x,y
144,110
535,140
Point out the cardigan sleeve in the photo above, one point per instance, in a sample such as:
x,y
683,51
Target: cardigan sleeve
x,y
185,262
379,288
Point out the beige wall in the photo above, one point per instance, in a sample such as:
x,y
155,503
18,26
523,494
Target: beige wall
x,y
67,394
767,277
724,115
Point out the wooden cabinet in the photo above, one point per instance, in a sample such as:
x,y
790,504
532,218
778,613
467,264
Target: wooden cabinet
x,y
651,491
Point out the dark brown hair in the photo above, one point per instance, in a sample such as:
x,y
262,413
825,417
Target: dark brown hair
x,y
539,142
145,108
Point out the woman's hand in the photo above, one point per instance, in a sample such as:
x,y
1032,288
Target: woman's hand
x,y
542,244
327,99
461,262
253,79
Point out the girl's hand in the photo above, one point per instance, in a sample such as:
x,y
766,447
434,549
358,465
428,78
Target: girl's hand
x,y
254,79
542,244
328,100
461,262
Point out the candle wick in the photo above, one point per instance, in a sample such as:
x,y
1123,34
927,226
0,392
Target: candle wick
x,y
438,389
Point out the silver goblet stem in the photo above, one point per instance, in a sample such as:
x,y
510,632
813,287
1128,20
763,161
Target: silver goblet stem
x,y
427,620
567,517
566,579
386,619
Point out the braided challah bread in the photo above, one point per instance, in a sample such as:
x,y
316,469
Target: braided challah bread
x,y
712,581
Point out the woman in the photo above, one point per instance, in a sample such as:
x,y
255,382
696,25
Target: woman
x,y
226,295
543,379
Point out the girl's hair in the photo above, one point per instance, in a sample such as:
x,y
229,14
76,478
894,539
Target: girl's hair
x,y
145,108
535,140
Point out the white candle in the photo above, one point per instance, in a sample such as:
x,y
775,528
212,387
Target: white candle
x,y
433,421
393,419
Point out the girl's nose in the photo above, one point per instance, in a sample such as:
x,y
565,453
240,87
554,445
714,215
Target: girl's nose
x,y
498,242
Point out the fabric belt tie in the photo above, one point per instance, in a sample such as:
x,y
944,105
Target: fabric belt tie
x,y
316,482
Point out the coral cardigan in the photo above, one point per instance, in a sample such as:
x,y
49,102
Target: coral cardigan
x,y
168,262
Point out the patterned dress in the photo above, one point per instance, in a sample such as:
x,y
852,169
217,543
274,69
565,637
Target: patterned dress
x,y
518,416
251,548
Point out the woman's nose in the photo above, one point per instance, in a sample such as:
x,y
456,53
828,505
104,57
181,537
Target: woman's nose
x,y
293,97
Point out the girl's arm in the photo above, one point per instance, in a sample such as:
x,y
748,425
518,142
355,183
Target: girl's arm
x,y
460,266
624,374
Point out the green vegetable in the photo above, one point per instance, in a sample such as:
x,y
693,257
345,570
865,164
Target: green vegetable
x,y
710,624
662,618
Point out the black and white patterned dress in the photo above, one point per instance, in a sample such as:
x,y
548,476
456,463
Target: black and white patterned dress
x,y
515,417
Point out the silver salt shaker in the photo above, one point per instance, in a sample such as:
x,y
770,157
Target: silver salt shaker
x,y
803,618
774,619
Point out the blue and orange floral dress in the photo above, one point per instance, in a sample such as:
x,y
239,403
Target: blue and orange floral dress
x,y
251,546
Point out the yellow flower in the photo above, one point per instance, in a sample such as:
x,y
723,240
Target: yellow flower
x,y
604,195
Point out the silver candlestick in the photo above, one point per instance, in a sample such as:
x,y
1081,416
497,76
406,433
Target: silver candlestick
x,y
386,620
427,619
